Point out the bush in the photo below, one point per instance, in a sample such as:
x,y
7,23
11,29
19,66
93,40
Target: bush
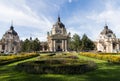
x,y
52,54
73,57
57,66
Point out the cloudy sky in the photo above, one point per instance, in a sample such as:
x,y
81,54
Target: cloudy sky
x,y
36,17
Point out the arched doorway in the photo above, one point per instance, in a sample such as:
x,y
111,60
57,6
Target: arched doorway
x,y
59,48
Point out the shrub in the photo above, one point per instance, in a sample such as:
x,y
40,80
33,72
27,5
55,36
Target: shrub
x,y
56,67
62,63
52,54
73,57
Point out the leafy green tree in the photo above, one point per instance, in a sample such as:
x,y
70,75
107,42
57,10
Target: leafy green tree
x,y
26,46
87,44
71,45
31,45
75,42
36,45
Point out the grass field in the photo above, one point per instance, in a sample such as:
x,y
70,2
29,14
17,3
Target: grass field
x,y
105,72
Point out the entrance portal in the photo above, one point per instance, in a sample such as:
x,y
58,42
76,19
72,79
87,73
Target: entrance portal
x,y
59,48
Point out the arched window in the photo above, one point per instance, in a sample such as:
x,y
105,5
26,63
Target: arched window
x,y
58,41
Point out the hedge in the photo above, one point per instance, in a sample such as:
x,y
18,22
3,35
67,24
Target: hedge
x,y
57,66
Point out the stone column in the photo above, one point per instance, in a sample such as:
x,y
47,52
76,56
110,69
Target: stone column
x,y
111,47
63,49
65,45
9,47
107,47
6,48
15,49
43,49
54,46
117,48
0,48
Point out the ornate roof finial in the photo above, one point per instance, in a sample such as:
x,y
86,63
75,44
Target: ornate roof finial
x,y
12,25
106,27
58,18
30,37
105,22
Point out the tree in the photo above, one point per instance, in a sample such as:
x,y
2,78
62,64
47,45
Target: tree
x,y
71,45
26,46
75,42
31,45
36,45
87,44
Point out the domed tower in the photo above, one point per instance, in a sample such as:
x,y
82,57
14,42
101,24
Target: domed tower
x,y
107,41
58,38
59,28
107,33
10,41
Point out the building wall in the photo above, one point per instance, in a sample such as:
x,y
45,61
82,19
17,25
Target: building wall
x,y
11,41
0,48
107,41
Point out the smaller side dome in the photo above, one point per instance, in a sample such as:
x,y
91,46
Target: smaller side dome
x,y
11,31
11,28
106,30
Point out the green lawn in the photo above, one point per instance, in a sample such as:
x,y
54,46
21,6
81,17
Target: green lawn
x,y
105,72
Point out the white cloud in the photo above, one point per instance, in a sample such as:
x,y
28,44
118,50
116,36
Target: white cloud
x,y
92,23
21,18
39,35
78,23
73,31
70,1
37,16
24,16
111,14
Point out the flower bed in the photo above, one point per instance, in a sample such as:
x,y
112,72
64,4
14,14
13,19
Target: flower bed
x,y
108,57
12,58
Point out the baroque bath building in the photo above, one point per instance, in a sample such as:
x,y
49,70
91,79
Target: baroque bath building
x,y
10,42
107,41
58,38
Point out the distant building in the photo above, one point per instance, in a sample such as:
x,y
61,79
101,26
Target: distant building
x,y
10,42
108,42
58,38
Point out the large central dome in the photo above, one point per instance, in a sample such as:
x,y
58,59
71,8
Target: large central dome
x,y
59,23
